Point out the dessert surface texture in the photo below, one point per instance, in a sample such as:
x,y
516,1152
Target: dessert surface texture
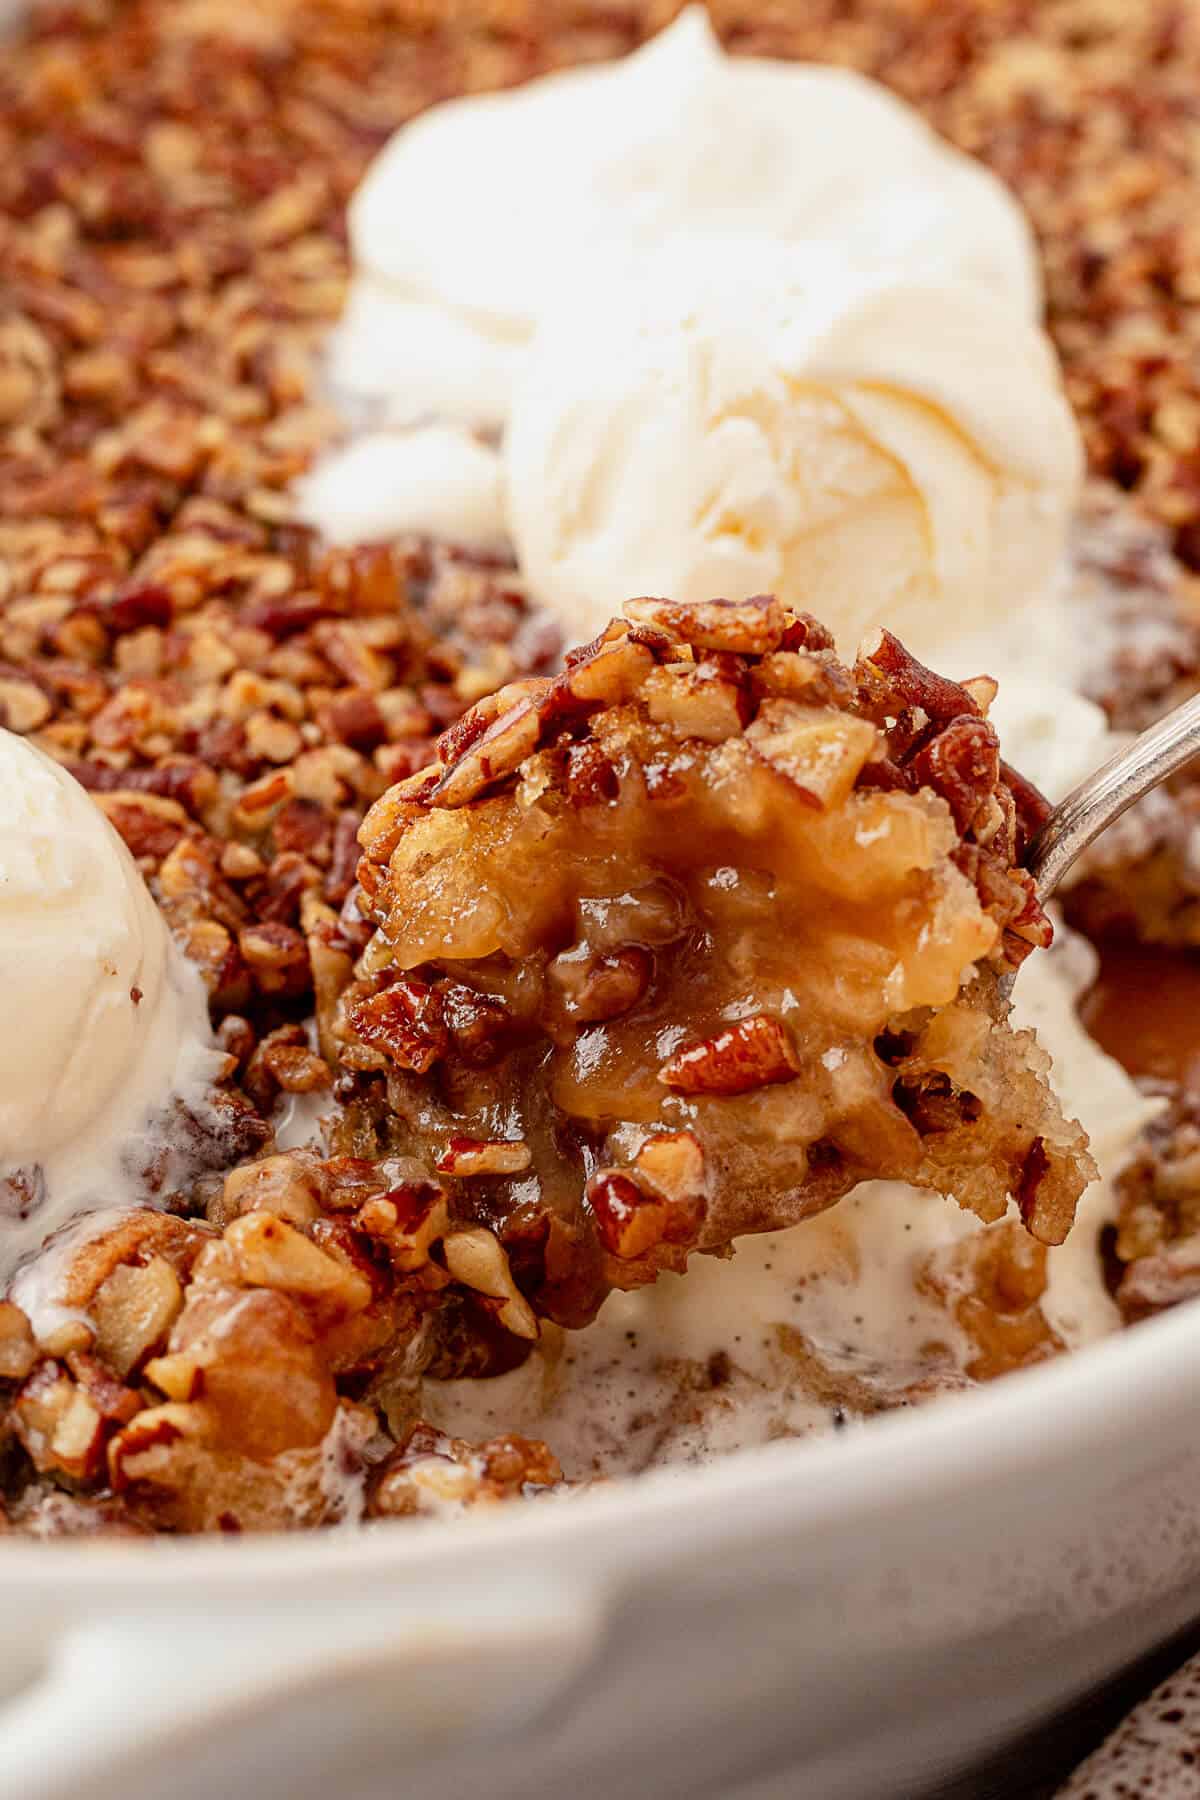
x,y
587,967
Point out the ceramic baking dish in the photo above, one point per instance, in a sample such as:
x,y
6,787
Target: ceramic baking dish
x,y
862,1612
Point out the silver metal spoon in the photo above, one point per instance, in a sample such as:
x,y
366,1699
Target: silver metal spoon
x,y
1091,807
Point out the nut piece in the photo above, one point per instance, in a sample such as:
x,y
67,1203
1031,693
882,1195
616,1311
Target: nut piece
x,y
405,1022
936,695
820,752
672,1163
410,1218
18,1351
466,1156
751,1053
23,706
283,1185
270,1253
477,1259
432,1473
962,764
600,985
144,1450
62,1418
748,627
133,1313
499,752
632,1222
697,700
607,672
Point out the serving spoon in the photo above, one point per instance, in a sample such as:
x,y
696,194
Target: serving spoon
x,y
1097,802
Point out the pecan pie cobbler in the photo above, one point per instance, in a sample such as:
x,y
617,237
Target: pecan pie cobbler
x,y
539,982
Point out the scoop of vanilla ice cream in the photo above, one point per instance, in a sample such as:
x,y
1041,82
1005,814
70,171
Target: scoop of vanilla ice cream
x,y
394,360
434,480
468,222
882,448
102,1018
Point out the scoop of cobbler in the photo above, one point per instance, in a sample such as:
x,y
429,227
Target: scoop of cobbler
x,y
691,939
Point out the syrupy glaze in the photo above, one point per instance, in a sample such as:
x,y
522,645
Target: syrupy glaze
x,y
1144,1009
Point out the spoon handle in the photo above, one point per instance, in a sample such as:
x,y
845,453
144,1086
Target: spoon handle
x,y
1091,807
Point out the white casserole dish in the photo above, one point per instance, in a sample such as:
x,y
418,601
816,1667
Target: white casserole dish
x,y
847,1617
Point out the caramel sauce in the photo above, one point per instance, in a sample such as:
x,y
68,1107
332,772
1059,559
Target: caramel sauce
x,y
1144,1009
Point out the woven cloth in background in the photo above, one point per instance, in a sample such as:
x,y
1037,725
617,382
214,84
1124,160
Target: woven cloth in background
x,y
1154,1754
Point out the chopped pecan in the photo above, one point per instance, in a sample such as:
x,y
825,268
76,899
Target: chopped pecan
x,y
819,751
939,698
405,1021
63,1415
477,1259
748,627
432,1473
412,1216
277,957
497,752
150,824
479,1025
270,1253
23,705
18,1352
465,1157
672,1163
606,672
962,764
143,1451
633,1221
597,985
750,1053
